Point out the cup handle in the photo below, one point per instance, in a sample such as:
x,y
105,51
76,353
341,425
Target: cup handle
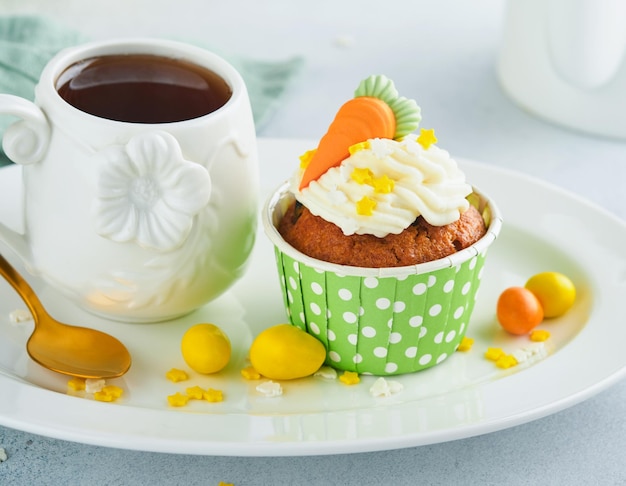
x,y
25,141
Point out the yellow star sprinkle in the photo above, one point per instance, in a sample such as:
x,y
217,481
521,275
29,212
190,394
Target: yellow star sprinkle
x,y
426,138
362,176
76,384
109,393
176,375
539,335
113,391
466,344
103,397
213,396
249,373
383,185
353,149
195,392
494,354
365,207
350,378
506,361
177,400
306,157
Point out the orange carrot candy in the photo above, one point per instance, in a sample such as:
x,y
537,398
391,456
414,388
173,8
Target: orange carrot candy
x,y
376,111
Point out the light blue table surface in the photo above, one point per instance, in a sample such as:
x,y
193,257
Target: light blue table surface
x,y
443,54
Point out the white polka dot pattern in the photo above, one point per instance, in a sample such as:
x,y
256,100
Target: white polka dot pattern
x,y
382,325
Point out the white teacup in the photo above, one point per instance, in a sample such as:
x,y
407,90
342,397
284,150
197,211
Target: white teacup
x,y
134,221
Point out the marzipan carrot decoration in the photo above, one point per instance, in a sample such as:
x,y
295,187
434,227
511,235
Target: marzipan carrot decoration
x,y
357,120
376,112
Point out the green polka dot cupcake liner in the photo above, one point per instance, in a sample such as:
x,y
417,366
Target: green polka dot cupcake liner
x,y
381,321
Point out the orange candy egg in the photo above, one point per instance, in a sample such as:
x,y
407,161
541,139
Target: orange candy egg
x,y
518,310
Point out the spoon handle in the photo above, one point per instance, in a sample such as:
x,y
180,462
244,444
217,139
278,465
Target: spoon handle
x,y
24,290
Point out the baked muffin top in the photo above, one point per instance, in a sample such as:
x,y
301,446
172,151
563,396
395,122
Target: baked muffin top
x,y
420,242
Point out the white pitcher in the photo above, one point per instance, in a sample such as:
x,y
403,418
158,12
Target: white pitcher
x,y
565,60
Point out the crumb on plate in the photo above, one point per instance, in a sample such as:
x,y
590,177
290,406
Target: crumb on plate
x,y
20,315
326,372
94,385
270,389
385,388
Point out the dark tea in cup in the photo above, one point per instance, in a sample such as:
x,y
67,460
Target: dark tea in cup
x,y
142,88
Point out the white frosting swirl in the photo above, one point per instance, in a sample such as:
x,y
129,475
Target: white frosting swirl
x,y
425,182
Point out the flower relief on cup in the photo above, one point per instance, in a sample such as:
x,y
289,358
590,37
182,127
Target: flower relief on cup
x,y
148,193
150,196
370,174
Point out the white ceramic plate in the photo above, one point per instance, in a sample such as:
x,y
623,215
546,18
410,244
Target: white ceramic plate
x,y
545,229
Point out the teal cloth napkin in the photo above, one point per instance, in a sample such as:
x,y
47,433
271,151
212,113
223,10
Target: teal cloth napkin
x,y
28,42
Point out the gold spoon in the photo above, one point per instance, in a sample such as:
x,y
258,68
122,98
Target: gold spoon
x,y
71,350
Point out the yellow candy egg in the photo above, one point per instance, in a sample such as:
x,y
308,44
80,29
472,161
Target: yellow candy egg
x,y
205,348
555,291
286,352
